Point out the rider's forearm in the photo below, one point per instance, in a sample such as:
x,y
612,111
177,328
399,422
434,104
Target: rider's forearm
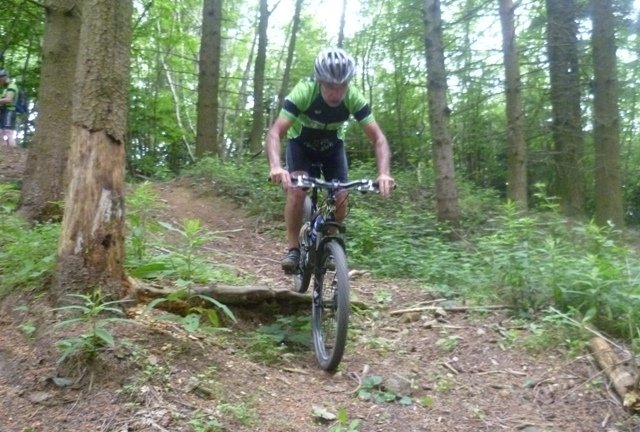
x,y
383,156
273,149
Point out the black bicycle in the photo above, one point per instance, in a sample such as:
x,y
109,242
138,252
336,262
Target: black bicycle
x,y
323,258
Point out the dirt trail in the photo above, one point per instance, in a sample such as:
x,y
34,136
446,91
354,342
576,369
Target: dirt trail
x,y
460,371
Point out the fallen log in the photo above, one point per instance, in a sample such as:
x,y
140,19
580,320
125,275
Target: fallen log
x,y
228,294
623,381
142,292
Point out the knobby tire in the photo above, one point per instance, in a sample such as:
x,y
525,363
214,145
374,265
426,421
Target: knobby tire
x,y
330,307
302,276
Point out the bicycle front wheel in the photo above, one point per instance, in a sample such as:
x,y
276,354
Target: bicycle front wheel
x,y
302,276
330,310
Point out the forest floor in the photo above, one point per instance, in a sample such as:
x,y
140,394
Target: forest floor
x,y
462,370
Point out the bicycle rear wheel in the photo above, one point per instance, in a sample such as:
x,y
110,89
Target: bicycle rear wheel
x,y
302,276
330,307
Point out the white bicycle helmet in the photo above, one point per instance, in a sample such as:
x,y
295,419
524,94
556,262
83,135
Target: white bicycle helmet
x,y
335,66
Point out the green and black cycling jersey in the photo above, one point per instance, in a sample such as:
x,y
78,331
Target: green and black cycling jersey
x,y
314,120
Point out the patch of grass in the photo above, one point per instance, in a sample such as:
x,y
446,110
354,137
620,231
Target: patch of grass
x,y
142,204
273,343
90,312
28,328
204,308
371,388
183,260
448,343
201,422
557,329
242,412
444,383
27,254
344,424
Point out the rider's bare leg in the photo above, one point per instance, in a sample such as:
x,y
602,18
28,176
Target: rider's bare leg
x,y
11,137
342,204
293,214
8,137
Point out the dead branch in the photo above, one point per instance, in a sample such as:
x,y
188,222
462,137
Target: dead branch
x,y
623,381
449,309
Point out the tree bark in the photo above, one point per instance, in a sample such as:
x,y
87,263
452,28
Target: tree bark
x,y
91,247
442,148
516,145
343,16
258,122
209,78
44,177
565,102
242,98
606,117
295,27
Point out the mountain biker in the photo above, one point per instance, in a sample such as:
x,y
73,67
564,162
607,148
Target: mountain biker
x,y
311,116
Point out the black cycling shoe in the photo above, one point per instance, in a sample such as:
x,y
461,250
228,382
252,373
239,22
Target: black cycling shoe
x,y
290,262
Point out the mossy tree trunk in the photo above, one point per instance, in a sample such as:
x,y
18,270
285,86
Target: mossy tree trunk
x,y
439,112
256,138
44,178
516,145
91,248
208,79
606,117
564,74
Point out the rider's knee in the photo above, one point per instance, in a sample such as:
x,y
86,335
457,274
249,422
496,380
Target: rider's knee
x,y
296,194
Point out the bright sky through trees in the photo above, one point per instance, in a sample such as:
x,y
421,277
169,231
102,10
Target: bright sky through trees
x,y
326,13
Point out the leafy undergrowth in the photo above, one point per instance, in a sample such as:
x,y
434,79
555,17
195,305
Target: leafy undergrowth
x,y
416,359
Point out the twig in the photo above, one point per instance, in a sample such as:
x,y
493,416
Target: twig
x,y
506,371
451,368
157,426
295,370
449,309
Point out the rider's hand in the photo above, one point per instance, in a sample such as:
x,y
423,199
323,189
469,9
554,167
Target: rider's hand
x,y
280,176
385,184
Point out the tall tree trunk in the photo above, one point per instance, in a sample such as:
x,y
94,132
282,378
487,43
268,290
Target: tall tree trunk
x,y
174,88
516,146
258,122
565,101
91,248
209,78
606,118
295,26
442,147
242,97
44,177
342,22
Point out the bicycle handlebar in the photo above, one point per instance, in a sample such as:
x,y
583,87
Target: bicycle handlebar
x,y
363,185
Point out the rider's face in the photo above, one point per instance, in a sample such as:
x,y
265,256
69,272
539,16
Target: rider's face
x,y
333,94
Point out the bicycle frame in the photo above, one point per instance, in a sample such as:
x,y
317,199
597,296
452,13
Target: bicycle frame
x,y
327,213
327,210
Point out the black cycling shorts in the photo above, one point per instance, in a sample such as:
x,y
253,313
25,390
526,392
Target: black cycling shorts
x,y
7,119
306,156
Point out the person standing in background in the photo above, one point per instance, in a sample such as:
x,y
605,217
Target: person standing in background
x,y
8,98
